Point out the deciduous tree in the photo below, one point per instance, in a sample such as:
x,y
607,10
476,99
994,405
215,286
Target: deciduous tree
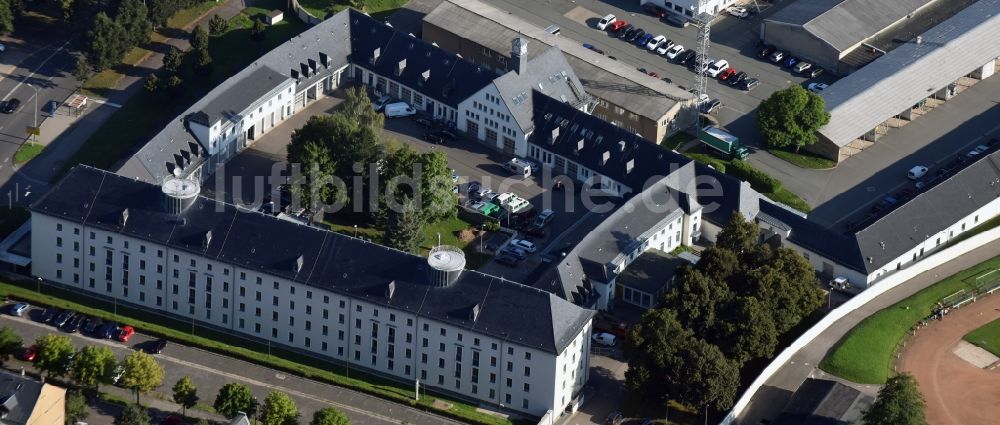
x,y
329,416
199,38
133,16
279,409
185,394
76,407
81,69
258,30
357,107
132,414
10,342
93,365
789,118
739,235
6,17
53,354
152,83
233,397
899,402
107,43
142,373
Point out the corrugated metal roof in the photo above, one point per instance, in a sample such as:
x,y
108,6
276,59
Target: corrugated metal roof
x,y
904,76
845,23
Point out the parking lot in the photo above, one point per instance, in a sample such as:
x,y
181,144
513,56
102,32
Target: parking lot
x,y
472,161
732,39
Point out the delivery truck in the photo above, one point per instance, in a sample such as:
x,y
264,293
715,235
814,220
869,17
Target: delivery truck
x,y
720,140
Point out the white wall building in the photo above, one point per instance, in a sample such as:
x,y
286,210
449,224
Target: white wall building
x,y
466,334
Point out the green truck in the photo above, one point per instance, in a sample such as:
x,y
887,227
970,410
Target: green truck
x,y
722,141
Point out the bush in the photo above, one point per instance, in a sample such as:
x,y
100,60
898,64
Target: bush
x,y
760,181
217,25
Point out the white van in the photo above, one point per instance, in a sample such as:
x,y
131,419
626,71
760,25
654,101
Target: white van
x,y
916,173
605,21
518,167
399,109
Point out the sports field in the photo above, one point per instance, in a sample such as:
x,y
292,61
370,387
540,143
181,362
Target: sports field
x,y
986,337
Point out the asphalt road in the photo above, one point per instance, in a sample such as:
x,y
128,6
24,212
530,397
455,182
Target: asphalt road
x,y
46,70
211,371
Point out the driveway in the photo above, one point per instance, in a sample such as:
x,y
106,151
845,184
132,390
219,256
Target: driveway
x,y
211,371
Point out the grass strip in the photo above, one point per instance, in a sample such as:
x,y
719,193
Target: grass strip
x,y
867,353
257,352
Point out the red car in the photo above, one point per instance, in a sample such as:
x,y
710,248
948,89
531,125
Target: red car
x,y
617,25
29,354
655,10
125,333
726,73
654,74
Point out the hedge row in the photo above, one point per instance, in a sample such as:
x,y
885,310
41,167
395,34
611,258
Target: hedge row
x,y
759,180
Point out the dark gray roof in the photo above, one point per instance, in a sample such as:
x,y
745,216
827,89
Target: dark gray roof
x,y
649,161
326,42
519,314
651,271
824,402
238,96
548,73
18,395
929,212
451,80
845,23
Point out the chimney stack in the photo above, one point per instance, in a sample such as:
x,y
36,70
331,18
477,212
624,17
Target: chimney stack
x,y
519,55
606,157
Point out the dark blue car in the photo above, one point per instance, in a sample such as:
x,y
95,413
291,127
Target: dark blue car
x,y
791,61
644,39
106,331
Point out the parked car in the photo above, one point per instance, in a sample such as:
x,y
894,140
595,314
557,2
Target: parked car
x,y
664,47
73,324
816,72
523,244
424,122
703,66
29,353
791,61
19,309
766,51
10,106
381,102
90,325
106,330
675,51
513,251
158,346
605,21
817,87
777,56
802,67
739,12
605,339
627,32
727,73
644,40
399,109
750,84
711,106
439,137
125,333
677,21
655,42
618,25
653,74
535,232
48,314
738,78
62,318
655,10
686,57
639,33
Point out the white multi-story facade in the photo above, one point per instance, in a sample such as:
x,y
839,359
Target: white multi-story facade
x,y
475,355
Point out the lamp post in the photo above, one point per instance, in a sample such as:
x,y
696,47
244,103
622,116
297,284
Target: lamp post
x,y
355,231
39,287
36,109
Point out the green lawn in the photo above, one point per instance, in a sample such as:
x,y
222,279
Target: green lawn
x,y
782,195
377,8
100,83
146,113
867,353
26,152
986,337
804,159
255,352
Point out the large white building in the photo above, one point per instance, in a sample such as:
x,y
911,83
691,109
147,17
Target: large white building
x,y
409,318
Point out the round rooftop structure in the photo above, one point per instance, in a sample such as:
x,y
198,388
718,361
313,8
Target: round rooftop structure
x,y
179,194
446,264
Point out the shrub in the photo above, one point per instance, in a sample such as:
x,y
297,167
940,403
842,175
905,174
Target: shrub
x,y
760,181
217,25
